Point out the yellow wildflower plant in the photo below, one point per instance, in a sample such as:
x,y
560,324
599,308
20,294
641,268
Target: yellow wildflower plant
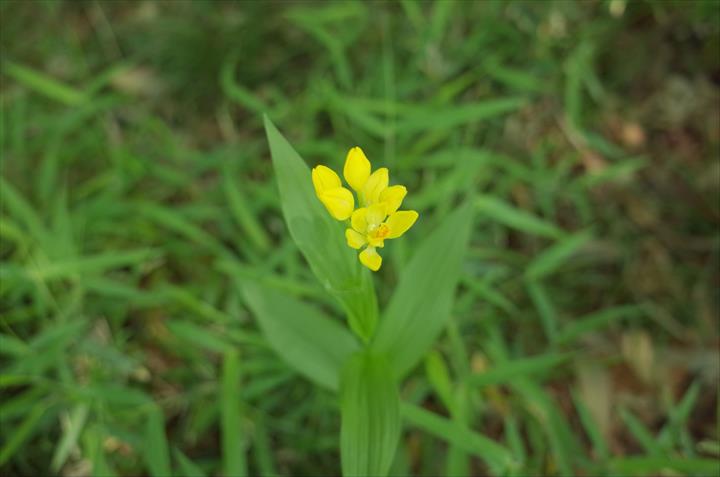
x,y
378,218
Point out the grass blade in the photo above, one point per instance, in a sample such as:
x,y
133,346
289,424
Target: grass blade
x,y
187,467
22,432
455,116
553,258
45,85
507,371
515,218
157,456
233,448
75,423
493,454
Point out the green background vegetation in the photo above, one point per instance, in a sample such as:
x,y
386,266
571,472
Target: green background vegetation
x,y
137,192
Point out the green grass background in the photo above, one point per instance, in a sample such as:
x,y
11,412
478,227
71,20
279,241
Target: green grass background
x,y
137,191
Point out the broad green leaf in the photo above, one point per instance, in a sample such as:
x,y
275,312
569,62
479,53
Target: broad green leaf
x,y
233,448
157,456
421,305
515,218
303,336
497,457
321,238
370,410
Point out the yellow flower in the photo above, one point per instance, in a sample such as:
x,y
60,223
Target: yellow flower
x,y
378,218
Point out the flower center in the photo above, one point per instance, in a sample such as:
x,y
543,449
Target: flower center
x,y
380,232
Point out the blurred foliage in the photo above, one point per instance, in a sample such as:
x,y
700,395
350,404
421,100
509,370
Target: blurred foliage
x,y
137,191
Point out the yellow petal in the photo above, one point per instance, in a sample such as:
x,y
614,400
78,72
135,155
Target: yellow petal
x,y
324,178
370,258
354,239
338,201
375,185
375,215
393,197
357,168
400,222
358,220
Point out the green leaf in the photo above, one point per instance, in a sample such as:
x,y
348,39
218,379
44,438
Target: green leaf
x,y
452,116
662,464
496,456
562,441
515,218
370,409
304,337
507,371
187,467
597,320
93,450
157,456
321,238
18,206
591,427
91,264
545,308
44,84
679,414
114,395
554,257
421,305
21,433
75,423
199,337
642,434
233,448
439,377
263,449
242,212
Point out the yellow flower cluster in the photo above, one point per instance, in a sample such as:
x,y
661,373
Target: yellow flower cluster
x,y
377,218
